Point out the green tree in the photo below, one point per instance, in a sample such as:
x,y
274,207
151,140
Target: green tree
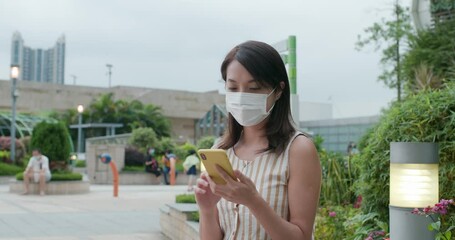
x,y
394,34
166,144
54,142
430,60
143,138
105,109
206,142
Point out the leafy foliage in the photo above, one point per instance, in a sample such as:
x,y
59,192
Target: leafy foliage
x,y
206,142
346,222
426,117
132,114
53,141
185,198
9,169
166,143
182,151
338,175
133,168
143,138
394,34
134,157
81,164
5,148
57,176
433,48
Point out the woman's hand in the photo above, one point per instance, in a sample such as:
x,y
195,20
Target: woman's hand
x,y
241,191
204,196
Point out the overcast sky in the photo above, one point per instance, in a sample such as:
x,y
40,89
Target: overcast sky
x,y
180,44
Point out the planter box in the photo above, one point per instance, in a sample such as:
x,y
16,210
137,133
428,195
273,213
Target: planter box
x,y
174,221
6,179
137,178
52,188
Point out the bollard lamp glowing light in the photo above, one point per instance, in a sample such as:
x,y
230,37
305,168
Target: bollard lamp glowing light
x,y
14,71
414,183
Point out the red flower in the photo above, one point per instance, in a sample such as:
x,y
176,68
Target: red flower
x,y
332,214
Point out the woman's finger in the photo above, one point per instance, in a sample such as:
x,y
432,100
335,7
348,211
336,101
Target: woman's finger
x,y
199,190
201,183
224,174
241,176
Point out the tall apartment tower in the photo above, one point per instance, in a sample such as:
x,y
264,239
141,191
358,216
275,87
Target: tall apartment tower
x,y
39,65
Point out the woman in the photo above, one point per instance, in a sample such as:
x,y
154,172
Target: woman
x,y
190,163
279,176
151,164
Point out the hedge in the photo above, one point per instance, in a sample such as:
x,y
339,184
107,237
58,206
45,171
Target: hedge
x,y
59,176
9,169
426,117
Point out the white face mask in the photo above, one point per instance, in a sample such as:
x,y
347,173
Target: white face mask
x,y
248,109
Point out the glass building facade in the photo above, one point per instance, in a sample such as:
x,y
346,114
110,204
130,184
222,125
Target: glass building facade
x,y
338,133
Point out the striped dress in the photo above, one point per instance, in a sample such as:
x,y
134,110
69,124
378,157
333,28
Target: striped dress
x,y
270,174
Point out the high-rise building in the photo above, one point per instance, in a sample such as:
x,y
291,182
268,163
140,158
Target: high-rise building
x,y
39,65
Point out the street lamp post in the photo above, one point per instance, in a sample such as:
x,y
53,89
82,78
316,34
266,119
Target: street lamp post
x,y
14,95
80,109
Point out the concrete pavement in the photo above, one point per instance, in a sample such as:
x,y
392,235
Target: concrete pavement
x,y
96,215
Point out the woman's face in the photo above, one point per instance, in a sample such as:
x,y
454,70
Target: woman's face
x,y
238,79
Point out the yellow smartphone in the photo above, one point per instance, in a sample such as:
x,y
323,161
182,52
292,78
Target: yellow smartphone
x,y
211,158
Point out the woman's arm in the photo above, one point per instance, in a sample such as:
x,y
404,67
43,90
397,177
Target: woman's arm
x,y
303,191
209,225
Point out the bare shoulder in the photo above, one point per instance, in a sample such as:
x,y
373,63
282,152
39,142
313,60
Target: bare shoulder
x,y
303,154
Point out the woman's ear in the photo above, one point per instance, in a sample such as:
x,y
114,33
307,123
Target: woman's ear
x,y
280,91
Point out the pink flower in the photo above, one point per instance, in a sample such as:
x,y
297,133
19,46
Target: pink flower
x,y
415,211
332,214
427,210
369,238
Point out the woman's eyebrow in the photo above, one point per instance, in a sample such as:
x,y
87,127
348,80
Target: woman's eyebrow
x,y
249,81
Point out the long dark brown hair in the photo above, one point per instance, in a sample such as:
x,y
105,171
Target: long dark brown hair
x,y
264,63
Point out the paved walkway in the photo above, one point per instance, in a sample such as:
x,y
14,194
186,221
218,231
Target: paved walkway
x,y
97,215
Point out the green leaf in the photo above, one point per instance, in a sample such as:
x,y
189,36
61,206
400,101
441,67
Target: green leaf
x,y
436,225
430,227
448,235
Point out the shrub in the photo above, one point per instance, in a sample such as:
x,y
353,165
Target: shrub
x,y
57,176
165,144
346,222
143,138
54,141
5,145
80,164
182,151
134,157
133,169
434,48
206,142
185,198
338,176
9,169
426,117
